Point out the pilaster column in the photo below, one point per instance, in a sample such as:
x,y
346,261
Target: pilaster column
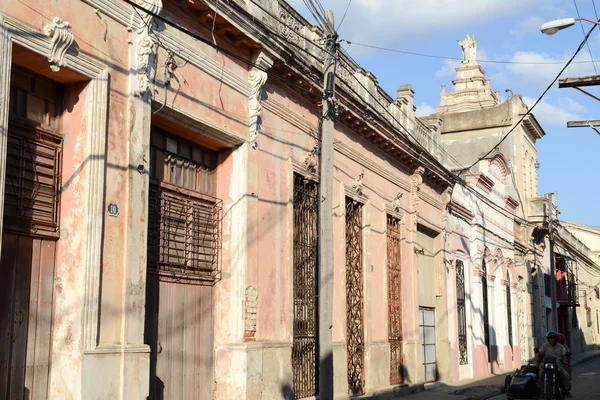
x,y
5,63
410,287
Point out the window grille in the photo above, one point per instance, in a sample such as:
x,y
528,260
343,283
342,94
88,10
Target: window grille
x,y
463,353
304,352
394,245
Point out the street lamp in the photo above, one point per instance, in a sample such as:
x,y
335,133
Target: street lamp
x,y
550,28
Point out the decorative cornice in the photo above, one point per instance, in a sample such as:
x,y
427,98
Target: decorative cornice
x,y
481,180
300,168
511,203
61,40
350,192
456,208
288,115
430,200
370,165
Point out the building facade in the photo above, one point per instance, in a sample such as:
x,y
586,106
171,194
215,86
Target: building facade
x,y
160,194
485,302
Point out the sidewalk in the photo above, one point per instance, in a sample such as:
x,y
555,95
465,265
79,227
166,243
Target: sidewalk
x,y
476,389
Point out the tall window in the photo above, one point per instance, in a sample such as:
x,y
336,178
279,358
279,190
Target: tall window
x,y
486,320
184,219
463,354
547,287
304,351
355,342
394,245
509,311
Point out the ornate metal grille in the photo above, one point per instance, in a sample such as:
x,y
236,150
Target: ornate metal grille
x,y
394,238
184,233
509,312
486,318
463,353
304,352
33,179
354,297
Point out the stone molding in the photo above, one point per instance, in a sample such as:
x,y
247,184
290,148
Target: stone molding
x,y
196,123
126,16
370,165
350,192
61,40
481,181
97,111
289,116
511,203
459,210
301,168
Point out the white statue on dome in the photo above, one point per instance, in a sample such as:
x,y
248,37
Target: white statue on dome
x,y
469,50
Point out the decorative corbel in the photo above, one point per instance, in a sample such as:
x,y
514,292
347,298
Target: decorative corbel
x,y
397,202
310,159
258,78
61,40
445,199
357,185
145,46
416,179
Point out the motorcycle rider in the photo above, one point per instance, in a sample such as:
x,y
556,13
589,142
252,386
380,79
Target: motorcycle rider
x,y
553,348
563,340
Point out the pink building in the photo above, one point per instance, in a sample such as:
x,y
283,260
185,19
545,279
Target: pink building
x,y
160,209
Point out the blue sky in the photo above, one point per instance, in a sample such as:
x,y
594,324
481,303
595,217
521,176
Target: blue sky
x,y
505,30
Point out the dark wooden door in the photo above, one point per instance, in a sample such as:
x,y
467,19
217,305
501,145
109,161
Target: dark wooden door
x,y
26,294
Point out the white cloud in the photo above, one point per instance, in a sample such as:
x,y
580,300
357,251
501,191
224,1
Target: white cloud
x,y
448,69
424,110
557,113
527,26
401,21
542,74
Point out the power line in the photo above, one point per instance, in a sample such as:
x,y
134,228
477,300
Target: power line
x,y
460,59
345,13
585,39
219,48
583,32
459,180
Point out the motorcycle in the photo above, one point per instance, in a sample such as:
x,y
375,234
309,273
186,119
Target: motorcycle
x,y
522,384
552,386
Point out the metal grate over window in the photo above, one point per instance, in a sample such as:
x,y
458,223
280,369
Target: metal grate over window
x,y
394,245
184,235
463,353
306,240
355,341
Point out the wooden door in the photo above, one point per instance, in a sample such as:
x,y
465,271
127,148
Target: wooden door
x,y
179,328
26,293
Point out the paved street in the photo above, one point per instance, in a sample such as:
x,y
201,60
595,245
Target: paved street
x,y
585,381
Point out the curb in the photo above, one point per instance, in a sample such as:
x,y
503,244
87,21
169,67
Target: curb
x,y
586,359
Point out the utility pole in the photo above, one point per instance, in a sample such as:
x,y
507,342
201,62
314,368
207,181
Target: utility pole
x,y
325,304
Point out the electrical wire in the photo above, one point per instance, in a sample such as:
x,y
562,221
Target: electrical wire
x,y
225,51
345,13
219,48
583,32
585,39
460,59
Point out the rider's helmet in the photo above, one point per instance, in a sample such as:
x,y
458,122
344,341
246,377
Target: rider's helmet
x,y
551,335
561,338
